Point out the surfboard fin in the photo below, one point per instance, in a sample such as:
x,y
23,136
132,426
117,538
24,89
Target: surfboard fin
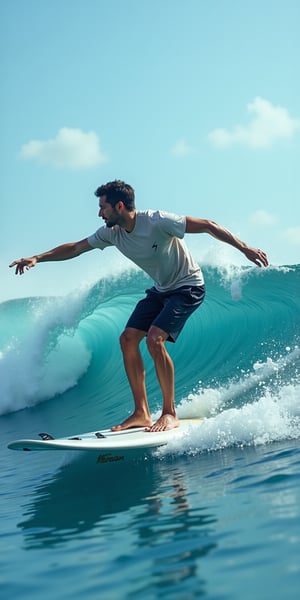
x,y
46,436
99,435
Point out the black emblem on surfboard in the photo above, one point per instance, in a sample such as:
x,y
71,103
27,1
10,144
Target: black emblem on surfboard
x,y
46,436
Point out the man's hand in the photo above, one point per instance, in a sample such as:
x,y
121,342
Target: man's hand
x,y
24,263
258,257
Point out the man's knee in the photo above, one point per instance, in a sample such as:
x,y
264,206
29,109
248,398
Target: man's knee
x,y
130,338
156,340
123,340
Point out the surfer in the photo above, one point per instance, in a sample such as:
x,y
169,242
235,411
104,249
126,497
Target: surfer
x,y
153,240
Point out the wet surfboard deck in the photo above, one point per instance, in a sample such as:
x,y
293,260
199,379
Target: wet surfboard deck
x,y
113,445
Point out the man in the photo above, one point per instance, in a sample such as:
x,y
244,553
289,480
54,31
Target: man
x,y
152,240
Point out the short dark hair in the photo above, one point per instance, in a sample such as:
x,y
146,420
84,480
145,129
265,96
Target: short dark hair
x,y
116,191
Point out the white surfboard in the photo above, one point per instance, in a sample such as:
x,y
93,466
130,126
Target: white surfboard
x,y
112,445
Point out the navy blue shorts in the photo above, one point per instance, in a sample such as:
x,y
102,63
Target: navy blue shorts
x,y
167,310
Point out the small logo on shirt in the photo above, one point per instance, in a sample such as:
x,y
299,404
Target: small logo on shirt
x,y
154,246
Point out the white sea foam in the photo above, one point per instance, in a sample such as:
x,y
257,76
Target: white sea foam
x,y
47,360
273,417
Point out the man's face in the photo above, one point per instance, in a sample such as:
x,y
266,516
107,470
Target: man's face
x,y
108,213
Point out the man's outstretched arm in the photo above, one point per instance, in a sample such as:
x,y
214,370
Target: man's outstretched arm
x,y
63,252
255,255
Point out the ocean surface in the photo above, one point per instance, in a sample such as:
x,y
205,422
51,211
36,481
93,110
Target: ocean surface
x,y
214,515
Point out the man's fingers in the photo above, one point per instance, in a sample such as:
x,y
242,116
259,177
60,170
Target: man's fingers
x,y
257,256
21,264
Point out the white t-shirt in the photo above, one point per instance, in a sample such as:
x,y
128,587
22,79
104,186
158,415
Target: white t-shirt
x,y
156,246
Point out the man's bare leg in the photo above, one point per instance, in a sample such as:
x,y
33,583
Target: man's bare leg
x,y
133,362
165,373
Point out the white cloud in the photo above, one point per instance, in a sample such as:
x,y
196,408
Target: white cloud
x,y
292,235
181,148
268,124
262,218
71,148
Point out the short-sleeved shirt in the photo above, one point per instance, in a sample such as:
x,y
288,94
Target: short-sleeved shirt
x,y
155,245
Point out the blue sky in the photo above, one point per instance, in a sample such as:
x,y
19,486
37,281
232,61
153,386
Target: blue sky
x,y
195,103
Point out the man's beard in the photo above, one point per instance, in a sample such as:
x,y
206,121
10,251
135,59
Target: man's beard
x,y
110,224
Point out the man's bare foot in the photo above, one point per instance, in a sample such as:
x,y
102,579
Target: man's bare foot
x,y
164,423
133,421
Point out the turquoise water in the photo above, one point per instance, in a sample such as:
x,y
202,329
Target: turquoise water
x,y
215,514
